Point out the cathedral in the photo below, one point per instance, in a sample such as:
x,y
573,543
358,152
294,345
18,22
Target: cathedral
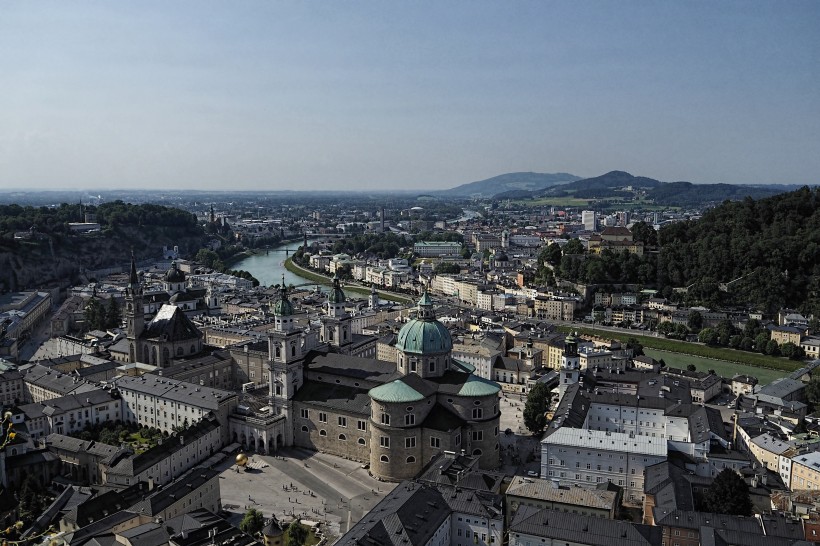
x,y
393,416
326,392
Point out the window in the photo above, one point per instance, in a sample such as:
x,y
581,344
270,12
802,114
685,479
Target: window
x,y
361,425
361,441
385,418
410,442
304,428
304,413
322,417
432,366
322,432
384,459
435,442
409,419
384,442
342,421
478,413
342,437
478,435
411,459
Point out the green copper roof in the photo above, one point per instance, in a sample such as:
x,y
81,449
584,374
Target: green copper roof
x,y
396,391
478,386
425,299
336,294
283,307
424,337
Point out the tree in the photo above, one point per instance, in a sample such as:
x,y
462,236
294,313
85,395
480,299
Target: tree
x,y
635,345
574,246
695,321
761,340
792,351
535,408
728,494
813,392
444,268
252,522
94,315
551,255
113,315
296,534
772,348
708,336
691,368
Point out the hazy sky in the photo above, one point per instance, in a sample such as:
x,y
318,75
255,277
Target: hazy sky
x,y
405,94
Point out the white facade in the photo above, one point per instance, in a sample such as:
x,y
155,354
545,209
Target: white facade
x,y
589,457
588,218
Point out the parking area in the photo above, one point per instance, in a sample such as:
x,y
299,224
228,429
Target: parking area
x,y
315,487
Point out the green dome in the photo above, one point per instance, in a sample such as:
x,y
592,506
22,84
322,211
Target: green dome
x,y
283,307
424,337
478,386
336,294
396,391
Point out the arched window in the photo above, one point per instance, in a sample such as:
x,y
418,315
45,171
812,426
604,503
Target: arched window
x,y
193,349
322,433
477,452
179,351
304,428
384,459
342,437
293,350
361,441
278,351
411,460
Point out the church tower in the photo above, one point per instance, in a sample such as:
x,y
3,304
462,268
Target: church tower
x,y
285,360
570,365
373,299
336,324
134,312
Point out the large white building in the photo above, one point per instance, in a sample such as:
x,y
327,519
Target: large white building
x,y
590,457
589,219
159,402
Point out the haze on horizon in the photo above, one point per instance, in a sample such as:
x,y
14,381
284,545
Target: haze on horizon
x,y
429,95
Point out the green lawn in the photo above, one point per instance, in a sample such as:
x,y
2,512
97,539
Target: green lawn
x,y
743,358
723,368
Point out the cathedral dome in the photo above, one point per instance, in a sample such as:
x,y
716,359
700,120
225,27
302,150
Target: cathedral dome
x,y
174,274
424,335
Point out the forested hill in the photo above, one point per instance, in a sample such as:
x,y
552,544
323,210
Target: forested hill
x,y
53,253
761,254
772,246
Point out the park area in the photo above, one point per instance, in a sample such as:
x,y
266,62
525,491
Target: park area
x,y
723,368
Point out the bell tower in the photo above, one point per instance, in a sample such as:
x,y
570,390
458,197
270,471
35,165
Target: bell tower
x,y
285,360
570,372
134,312
336,324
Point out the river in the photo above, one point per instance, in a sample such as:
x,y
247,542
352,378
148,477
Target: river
x,y
269,266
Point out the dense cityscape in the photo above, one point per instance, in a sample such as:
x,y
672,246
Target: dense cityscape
x,y
502,361
368,273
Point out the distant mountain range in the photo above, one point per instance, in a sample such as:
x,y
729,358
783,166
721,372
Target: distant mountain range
x,y
525,182
613,184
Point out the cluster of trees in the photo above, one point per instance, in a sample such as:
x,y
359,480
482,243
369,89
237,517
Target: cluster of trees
x,y
100,316
749,253
32,500
214,260
253,522
753,337
383,245
769,247
535,409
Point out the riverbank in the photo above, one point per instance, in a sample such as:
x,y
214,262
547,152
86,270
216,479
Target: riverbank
x,y
744,360
323,279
